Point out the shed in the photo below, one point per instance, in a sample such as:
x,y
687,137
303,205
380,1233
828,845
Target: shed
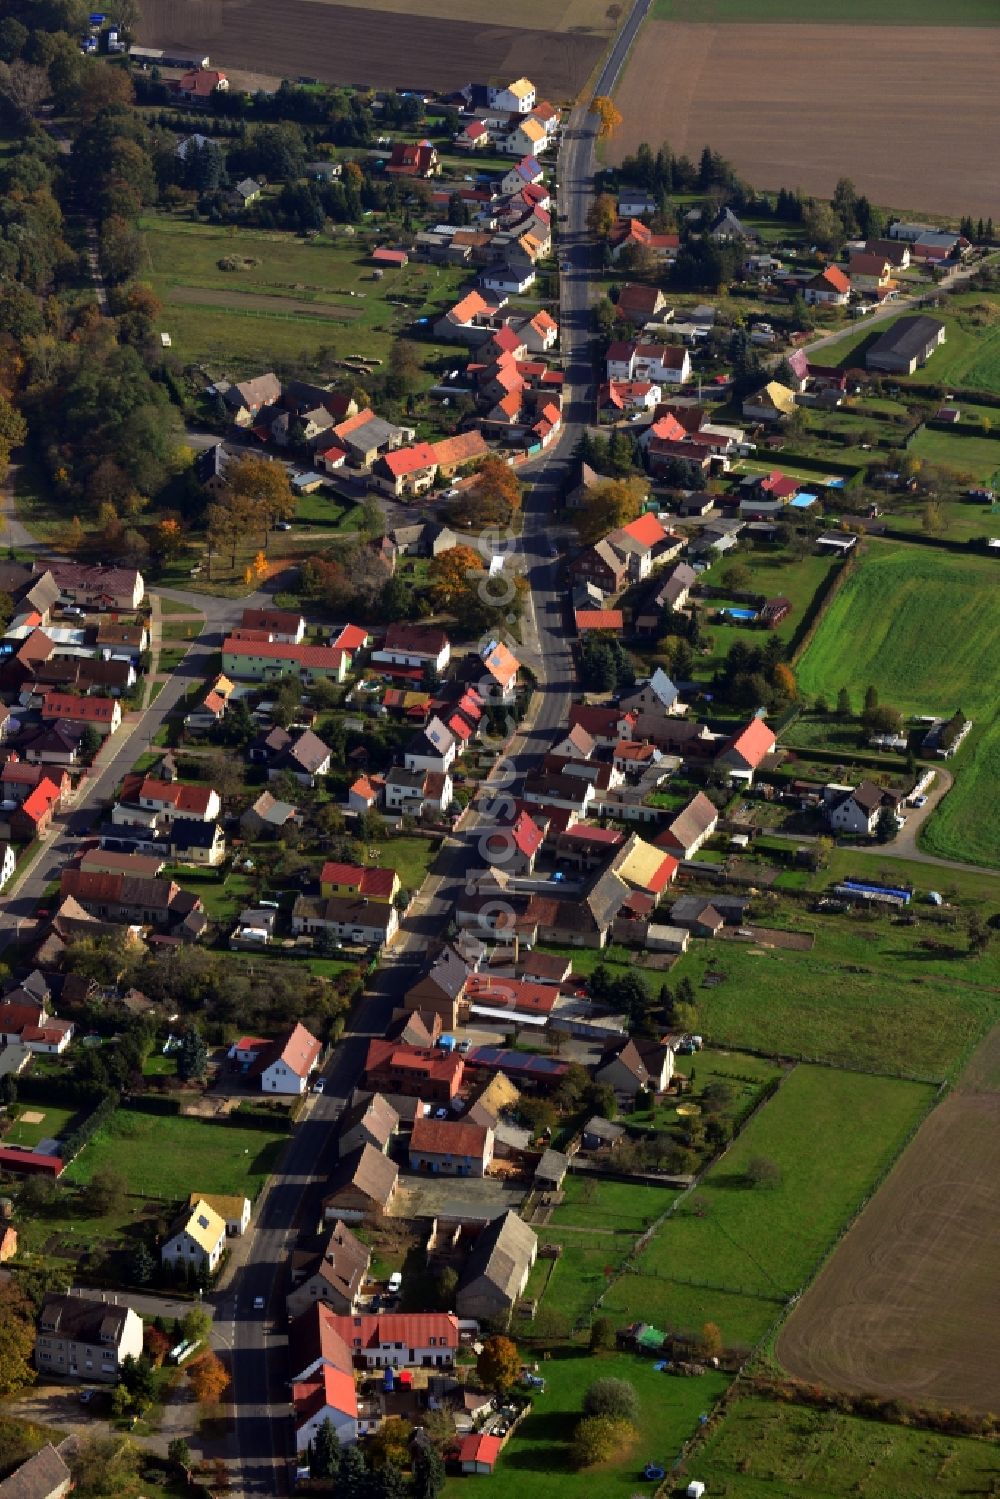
x,y
395,258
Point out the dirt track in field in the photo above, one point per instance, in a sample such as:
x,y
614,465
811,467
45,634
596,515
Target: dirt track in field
x,y
906,1307
346,44
250,301
908,114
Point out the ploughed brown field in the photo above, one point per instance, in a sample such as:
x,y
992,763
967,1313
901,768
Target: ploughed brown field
x,y
906,1307
908,114
347,44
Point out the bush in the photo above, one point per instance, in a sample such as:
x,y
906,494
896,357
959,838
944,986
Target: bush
x,y
600,1437
612,1397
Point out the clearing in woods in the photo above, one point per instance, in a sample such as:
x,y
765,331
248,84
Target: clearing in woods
x,y
902,1308
407,48
918,625
802,106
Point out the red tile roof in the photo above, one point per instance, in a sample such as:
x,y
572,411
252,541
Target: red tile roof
x,y
319,656
449,1137
350,638
40,800
328,1388
374,883
754,742
191,799
410,460
299,1051
79,709
412,1329
477,1447
284,621
599,619
646,529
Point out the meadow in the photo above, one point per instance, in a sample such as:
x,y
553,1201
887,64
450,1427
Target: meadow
x,y
312,300
978,457
763,1448
733,1253
918,625
870,1001
168,1157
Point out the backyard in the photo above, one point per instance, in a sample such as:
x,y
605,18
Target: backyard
x,y
168,1156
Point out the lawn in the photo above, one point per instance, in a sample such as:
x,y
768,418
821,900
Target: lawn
x,y
537,1459
411,858
590,1202
849,12
763,1449
830,1134
305,300
965,453
222,895
745,1075
918,625
167,1157
51,1126
851,1002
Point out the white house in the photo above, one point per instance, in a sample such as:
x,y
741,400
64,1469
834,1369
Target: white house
x,y
414,645
286,1066
661,364
857,811
514,281
197,1240
433,747
517,98
8,861
233,1209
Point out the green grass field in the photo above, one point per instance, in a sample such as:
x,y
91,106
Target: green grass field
x,y
848,13
979,457
301,297
872,1001
830,1134
589,1202
919,625
169,1157
411,858
537,1462
763,1449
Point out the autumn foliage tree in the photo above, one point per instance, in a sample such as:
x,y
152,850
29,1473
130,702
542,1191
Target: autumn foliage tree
x,y
602,216
608,506
209,1379
261,489
17,1339
608,117
499,1363
448,574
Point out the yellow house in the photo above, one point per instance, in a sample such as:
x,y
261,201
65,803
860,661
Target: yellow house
x,y
379,885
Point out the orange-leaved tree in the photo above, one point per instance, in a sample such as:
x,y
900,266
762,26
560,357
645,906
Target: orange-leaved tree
x,y
448,574
608,117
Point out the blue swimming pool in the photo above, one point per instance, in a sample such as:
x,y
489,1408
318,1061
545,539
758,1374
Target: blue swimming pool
x,y
740,613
